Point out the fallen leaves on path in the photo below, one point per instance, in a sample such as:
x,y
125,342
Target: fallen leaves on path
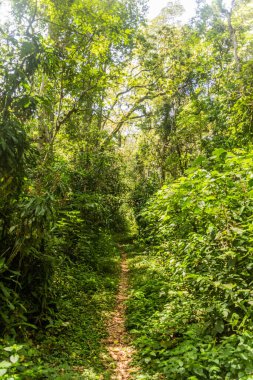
x,y
117,343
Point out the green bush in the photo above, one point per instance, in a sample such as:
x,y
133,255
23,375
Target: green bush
x,y
19,361
199,230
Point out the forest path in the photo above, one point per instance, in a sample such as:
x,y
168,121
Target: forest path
x,y
118,342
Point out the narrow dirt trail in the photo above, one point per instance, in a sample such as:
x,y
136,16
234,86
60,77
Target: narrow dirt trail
x,y
118,344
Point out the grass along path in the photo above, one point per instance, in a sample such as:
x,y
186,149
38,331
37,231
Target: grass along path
x,y
71,346
118,342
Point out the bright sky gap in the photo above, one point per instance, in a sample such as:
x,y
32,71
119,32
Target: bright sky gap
x,y
155,7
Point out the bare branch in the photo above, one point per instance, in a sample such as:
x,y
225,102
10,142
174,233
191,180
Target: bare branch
x,y
127,116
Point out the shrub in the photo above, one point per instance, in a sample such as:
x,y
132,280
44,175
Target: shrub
x,y
200,229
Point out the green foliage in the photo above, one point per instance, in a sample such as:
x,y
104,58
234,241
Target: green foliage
x,y
194,87
196,304
69,346
58,64
19,361
29,262
72,74
143,191
12,309
84,288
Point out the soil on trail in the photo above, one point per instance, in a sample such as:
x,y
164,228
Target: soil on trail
x,y
118,344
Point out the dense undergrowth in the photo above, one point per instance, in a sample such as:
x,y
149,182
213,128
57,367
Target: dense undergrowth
x,y
68,345
191,306
98,111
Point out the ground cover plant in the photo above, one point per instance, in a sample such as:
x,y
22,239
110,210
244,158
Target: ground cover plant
x,y
113,127
69,346
197,277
